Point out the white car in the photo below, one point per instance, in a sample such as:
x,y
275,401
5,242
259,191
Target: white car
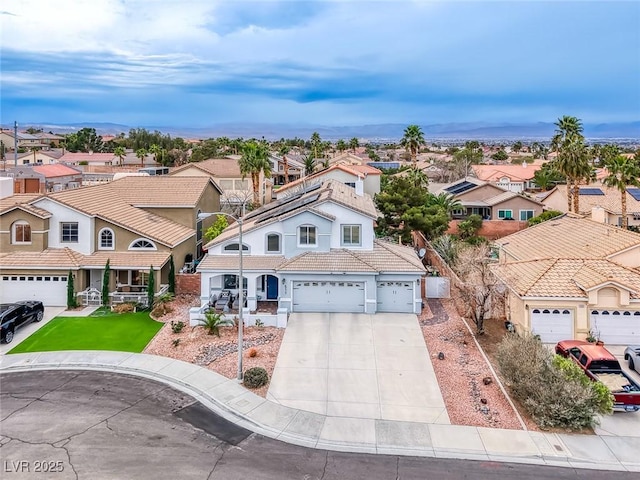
x,y
632,355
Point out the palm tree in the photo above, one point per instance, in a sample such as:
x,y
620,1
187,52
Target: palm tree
x,y
354,144
316,144
517,146
156,151
446,202
568,136
120,152
141,153
309,165
254,161
341,145
213,321
284,149
417,177
412,140
623,172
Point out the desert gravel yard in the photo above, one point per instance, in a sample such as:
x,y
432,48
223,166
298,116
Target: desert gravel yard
x,y
460,374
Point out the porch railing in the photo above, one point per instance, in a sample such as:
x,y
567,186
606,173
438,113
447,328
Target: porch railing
x,y
93,297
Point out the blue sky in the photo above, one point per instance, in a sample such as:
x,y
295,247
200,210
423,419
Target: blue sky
x,y
197,63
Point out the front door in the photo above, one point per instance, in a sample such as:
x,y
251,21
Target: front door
x,y
272,287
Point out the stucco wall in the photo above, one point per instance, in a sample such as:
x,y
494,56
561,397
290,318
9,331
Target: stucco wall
x,y
39,233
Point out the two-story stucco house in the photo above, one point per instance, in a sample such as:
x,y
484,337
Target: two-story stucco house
x,y
315,251
137,223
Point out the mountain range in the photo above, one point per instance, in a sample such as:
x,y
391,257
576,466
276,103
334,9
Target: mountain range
x,y
379,132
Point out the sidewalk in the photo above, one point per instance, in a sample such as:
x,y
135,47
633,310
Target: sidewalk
x,y
233,402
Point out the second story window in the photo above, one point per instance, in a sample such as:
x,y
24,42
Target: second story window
x,y
106,239
273,243
307,235
69,232
142,244
351,235
21,232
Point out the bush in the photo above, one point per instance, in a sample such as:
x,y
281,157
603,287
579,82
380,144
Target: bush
x,y
255,377
124,307
470,226
164,298
544,216
160,309
176,327
553,390
252,352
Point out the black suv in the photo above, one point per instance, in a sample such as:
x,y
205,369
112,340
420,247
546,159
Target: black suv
x,y
16,315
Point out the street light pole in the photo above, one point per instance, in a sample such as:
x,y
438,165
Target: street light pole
x,y
240,290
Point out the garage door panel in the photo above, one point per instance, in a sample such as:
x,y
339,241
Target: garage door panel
x,y
616,327
313,296
552,325
51,290
396,297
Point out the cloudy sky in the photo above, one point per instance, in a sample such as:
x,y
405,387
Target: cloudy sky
x,y
197,63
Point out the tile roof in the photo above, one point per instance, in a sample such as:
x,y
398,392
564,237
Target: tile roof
x,y
160,190
384,258
330,190
72,157
493,173
142,260
216,167
17,199
565,277
55,170
355,170
611,201
249,262
568,236
51,258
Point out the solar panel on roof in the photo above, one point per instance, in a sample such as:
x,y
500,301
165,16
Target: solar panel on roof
x,y
634,192
289,207
390,165
591,191
460,187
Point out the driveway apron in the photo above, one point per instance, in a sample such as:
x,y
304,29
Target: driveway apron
x,y
357,365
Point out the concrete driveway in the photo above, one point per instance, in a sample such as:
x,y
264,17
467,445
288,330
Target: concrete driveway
x,y
357,365
24,332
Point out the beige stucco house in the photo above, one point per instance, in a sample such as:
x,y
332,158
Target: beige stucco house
x,y
570,276
135,222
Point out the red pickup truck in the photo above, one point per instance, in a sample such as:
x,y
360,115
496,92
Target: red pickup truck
x,y
602,366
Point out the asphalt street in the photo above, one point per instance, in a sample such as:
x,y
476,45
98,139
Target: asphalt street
x,y
97,425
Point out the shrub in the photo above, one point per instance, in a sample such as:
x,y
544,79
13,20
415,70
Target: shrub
x,y
176,327
252,352
124,307
255,377
470,226
259,323
164,298
544,216
161,309
213,321
553,390
175,342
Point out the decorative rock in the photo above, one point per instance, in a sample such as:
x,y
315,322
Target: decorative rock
x,y
485,410
487,380
483,401
441,356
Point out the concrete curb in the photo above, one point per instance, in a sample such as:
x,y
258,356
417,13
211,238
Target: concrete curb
x,y
240,406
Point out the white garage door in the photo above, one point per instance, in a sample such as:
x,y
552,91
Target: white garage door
x,y
617,327
51,290
395,297
553,325
311,296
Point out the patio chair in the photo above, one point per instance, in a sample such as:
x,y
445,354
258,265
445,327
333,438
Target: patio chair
x,y
223,300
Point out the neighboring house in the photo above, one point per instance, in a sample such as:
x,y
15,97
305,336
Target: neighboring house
x,y
43,178
490,201
50,139
135,222
96,159
363,178
294,168
25,140
514,178
315,252
570,276
347,158
236,190
602,203
35,157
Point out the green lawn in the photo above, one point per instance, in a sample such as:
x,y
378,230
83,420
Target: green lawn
x,y
125,332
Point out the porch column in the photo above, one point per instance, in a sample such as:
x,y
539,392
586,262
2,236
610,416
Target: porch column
x,y
252,302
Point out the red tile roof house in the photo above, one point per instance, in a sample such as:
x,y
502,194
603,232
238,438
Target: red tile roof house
x,y
515,178
44,178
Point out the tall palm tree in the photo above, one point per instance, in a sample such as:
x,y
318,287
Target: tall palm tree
x,y
412,140
284,149
254,161
623,172
309,165
341,145
120,152
316,144
156,151
354,144
141,153
567,141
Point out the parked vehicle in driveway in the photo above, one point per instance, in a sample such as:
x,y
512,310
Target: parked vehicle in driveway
x,y
16,315
632,355
602,366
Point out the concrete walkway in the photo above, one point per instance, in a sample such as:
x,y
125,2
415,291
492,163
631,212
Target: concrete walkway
x,y
235,403
358,366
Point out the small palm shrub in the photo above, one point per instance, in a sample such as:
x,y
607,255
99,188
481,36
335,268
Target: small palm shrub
x,y
213,321
176,327
255,377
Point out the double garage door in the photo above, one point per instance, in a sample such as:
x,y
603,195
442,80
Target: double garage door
x,y
553,325
51,290
309,296
617,327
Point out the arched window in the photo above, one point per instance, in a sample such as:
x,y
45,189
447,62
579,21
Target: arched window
x,y
142,244
273,243
106,239
234,247
21,232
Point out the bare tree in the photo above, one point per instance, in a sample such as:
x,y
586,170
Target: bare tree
x,y
480,288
